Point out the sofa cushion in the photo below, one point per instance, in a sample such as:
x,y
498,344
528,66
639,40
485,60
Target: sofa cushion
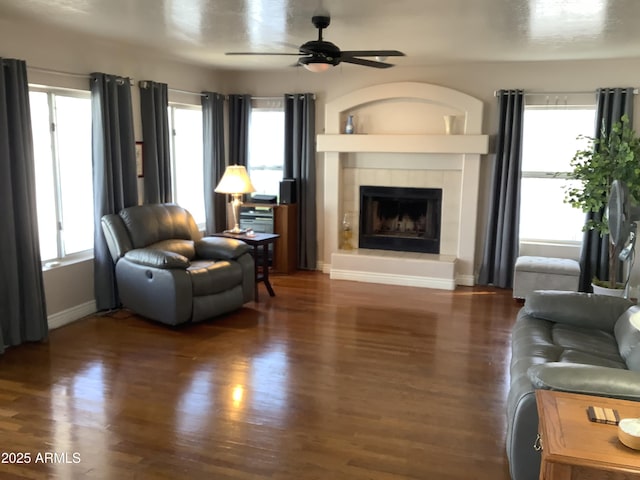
x,y
157,258
534,338
628,336
585,358
186,248
588,340
209,277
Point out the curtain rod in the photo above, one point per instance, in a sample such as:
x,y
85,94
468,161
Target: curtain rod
x,y
68,74
176,90
559,94
197,94
279,97
58,72
226,97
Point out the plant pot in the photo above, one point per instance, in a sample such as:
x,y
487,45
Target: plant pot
x,y
612,292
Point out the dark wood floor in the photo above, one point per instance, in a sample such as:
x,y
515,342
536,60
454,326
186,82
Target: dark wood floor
x,y
327,380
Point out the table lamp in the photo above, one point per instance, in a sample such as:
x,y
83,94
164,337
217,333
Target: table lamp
x,y
235,182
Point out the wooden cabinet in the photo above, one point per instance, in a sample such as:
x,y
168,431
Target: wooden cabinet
x,y
285,255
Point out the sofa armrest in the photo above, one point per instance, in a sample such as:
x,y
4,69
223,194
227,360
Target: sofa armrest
x,y
220,248
586,379
151,257
578,309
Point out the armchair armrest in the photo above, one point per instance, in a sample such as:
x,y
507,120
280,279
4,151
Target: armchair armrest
x,y
579,309
151,257
220,248
586,379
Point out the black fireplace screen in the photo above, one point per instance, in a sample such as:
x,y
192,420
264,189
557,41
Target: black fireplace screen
x,y
401,219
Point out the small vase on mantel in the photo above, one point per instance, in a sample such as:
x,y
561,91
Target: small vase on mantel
x,y
449,121
349,128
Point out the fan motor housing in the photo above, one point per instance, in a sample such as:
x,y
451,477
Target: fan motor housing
x,y
323,49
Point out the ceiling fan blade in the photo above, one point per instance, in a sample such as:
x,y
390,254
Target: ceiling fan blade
x,y
372,53
366,63
262,53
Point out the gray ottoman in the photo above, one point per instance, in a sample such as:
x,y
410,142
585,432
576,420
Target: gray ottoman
x,y
545,273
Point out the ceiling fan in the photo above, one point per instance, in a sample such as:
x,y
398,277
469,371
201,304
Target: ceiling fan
x,y
320,55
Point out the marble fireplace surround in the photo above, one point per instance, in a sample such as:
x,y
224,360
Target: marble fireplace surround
x,y
400,141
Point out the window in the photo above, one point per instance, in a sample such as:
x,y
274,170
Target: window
x,y
549,143
61,128
185,124
265,162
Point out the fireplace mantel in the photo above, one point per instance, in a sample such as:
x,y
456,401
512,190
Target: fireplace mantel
x,y
403,143
405,118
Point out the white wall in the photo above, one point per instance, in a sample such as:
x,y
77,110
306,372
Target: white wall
x,y
58,50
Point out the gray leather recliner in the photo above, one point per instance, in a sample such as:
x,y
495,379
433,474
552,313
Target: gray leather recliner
x,y
567,341
167,272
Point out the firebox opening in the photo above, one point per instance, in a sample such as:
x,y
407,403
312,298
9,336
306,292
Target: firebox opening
x,y
401,219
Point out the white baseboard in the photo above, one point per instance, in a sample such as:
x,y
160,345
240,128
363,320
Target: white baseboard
x,y
70,315
466,280
392,279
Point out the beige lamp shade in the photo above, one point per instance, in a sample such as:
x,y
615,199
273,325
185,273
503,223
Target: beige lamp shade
x,y
235,180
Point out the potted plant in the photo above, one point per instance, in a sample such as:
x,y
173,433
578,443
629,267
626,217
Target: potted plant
x,y
615,155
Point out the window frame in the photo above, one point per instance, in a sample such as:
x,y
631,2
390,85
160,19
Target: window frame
x,y
172,106
61,256
267,104
581,104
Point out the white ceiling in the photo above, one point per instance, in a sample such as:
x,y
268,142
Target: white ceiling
x,y
428,31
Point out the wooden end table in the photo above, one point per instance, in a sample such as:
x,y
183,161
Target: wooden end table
x,y
256,241
575,448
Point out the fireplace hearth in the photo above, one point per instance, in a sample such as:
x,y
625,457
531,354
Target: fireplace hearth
x,y
400,219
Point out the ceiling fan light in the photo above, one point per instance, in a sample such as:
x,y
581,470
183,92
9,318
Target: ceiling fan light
x,y
316,65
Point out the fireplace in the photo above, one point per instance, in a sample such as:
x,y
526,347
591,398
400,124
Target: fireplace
x,y
400,219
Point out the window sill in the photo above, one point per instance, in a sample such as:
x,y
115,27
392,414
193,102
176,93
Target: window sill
x,y
552,243
76,258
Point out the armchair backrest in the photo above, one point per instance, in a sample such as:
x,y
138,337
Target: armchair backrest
x,y
144,225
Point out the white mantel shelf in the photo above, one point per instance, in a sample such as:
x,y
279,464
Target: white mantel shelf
x,y
471,144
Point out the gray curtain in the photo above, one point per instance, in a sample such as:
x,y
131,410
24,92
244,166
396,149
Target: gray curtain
x,y
23,312
239,113
114,171
154,102
611,105
501,242
300,163
214,164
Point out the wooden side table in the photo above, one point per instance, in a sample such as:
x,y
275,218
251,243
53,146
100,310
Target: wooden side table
x,y
575,448
256,241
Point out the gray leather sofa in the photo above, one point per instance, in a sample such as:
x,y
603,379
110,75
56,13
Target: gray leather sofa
x,y
572,342
167,272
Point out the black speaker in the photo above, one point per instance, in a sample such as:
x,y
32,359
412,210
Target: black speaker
x,y
288,191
